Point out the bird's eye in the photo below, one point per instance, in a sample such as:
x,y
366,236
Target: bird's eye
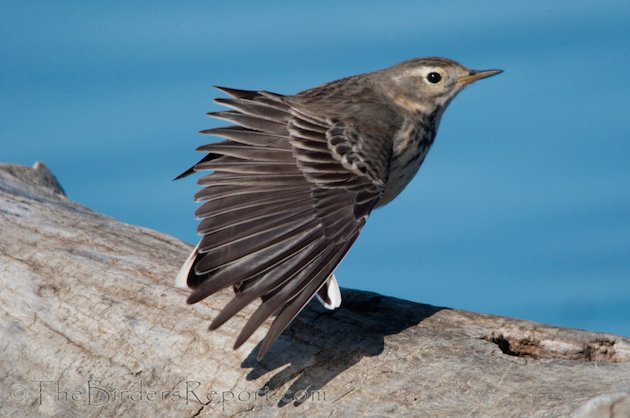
x,y
434,77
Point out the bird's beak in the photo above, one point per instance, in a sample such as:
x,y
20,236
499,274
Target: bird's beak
x,y
478,75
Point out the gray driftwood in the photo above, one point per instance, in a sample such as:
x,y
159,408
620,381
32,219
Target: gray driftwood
x,y
91,325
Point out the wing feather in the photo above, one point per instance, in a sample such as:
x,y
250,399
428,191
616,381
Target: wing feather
x,y
288,192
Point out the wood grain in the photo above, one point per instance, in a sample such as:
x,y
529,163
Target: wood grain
x,y
91,324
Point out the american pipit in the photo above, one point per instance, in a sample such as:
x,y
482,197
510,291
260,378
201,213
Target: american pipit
x,y
296,178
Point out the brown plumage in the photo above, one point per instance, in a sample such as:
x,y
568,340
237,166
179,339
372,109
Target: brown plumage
x,y
296,177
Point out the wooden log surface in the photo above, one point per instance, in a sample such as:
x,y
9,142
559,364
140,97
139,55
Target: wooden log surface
x,y
92,325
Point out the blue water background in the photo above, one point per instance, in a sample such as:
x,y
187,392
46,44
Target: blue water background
x,y
522,208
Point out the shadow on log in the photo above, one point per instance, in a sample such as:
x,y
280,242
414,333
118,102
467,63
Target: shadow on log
x,y
91,325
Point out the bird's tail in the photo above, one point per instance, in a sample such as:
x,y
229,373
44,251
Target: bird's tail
x,y
329,294
181,280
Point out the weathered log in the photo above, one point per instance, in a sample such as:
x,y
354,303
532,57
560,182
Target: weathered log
x,y
91,324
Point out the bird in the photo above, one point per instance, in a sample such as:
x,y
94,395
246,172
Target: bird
x,y
289,188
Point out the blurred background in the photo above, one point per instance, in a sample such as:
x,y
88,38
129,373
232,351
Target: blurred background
x,y
522,207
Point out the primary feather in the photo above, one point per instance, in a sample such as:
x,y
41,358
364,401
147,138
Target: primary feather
x,y
284,202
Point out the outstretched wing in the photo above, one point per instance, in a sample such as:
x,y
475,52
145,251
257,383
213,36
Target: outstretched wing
x,y
289,192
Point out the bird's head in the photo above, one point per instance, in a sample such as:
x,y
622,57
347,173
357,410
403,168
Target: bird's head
x,y
428,84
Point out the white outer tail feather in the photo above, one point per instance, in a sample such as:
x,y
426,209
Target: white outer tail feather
x,y
181,280
334,294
